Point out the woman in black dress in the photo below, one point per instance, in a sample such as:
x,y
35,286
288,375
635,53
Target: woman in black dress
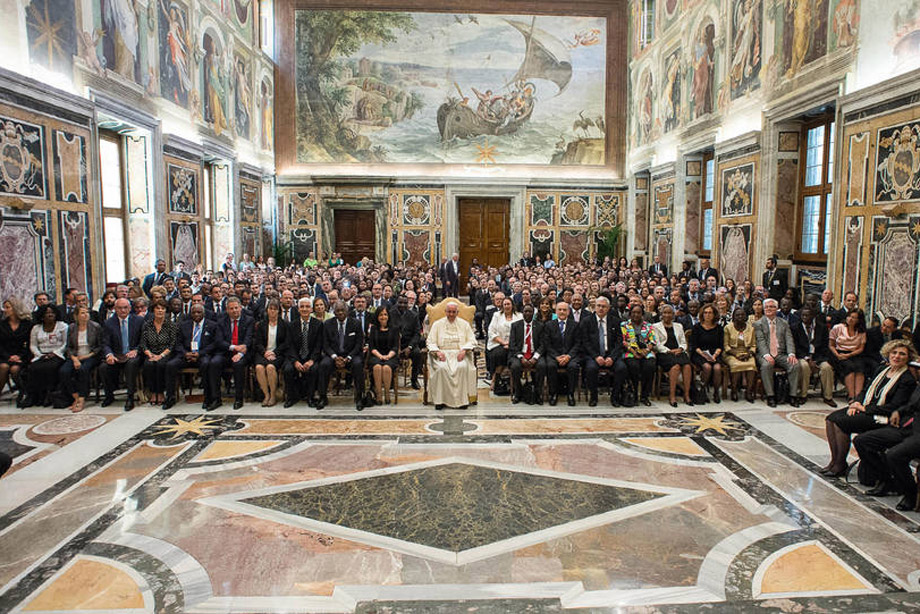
x,y
270,344
157,341
383,343
707,340
14,343
888,393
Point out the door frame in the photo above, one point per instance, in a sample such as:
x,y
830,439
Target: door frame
x,y
517,194
327,220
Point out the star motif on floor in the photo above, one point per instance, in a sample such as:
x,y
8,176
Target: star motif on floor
x,y
706,423
487,153
198,426
880,229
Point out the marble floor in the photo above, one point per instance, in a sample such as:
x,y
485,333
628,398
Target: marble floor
x,y
402,509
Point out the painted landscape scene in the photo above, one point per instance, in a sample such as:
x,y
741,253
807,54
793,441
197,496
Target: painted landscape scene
x,y
438,88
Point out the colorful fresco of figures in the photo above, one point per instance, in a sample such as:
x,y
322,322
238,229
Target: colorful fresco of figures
x,y
175,52
746,46
214,84
121,38
485,89
242,94
702,64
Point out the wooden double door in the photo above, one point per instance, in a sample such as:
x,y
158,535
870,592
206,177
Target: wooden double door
x,y
484,233
355,234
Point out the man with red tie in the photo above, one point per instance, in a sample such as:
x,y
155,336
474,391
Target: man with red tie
x,y
236,329
525,347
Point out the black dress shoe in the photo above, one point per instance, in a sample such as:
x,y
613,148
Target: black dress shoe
x,y
553,399
689,403
883,489
205,405
674,404
129,405
322,402
592,402
214,404
515,400
105,402
289,403
538,400
571,400
646,402
830,403
830,473
716,396
170,401
238,404
906,504
415,385
439,406
771,402
27,402
359,406
614,402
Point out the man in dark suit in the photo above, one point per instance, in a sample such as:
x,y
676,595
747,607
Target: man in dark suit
x,y
657,268
483,299
706,271
525,349
361,314
121,336
106,307
602,348
578,309
304,375
811,336
563,347
289,311
343,347
450,276
410,336
877,336
826,308
775,281
236,330
197,345
155,278
65,309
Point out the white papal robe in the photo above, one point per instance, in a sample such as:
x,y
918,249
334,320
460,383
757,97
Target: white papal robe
x,y
451,382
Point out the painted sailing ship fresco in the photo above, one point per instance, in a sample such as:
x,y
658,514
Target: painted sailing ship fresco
x,y
545,58
444,88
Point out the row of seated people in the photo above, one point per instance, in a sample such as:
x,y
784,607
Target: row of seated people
x,y
304,350
632,349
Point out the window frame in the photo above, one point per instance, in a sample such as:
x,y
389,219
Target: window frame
x,y
646,19
707,205
110,212
824,190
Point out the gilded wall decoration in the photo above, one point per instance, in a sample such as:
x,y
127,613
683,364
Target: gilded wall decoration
x,y
416,209
664,204
416,246
606,209
734,251
302,209
573,247
898,164
22,159
738,190
182,189
185,240
75,251
70,167
250,195
857,169
28,254
575,210
541,209
852,253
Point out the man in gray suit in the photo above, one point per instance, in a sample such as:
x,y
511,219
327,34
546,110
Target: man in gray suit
x,y
776,348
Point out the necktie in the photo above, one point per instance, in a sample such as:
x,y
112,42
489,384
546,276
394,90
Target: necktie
x,y
304,339
287,315
124,336
361,319
341,338
196,334
185,308
235,335
774,342
562,328
576,314
528,341
602,332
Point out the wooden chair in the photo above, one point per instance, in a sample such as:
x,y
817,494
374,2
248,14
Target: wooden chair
x,y
435,313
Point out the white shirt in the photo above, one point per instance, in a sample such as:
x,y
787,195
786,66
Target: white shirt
x,y
272,338
500,327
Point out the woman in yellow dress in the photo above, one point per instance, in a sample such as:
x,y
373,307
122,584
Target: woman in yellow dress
x,y
740,348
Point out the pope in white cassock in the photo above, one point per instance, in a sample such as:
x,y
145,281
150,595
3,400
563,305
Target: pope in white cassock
x,y
451,363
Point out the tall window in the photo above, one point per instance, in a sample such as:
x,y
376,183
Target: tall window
x,y
817,187
267,27
709,177
646,22
208,201
111,164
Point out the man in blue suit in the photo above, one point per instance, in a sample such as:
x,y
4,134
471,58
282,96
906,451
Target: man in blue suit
x,y
121,335
196,346
236,328
156,278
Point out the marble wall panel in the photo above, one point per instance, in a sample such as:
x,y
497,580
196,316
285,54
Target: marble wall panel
x,y
606,209
249,240
734,251
22,151
641,238
787,173
895,264
664,204
541,242
852,253
416,209
897,173
575,210
182,189
75,250
28,258
136,156
662,245
70,165
573,246
416,246
694,196
303,241
185,243
738,190
542,207
857,169
141,255
301,209
250,201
